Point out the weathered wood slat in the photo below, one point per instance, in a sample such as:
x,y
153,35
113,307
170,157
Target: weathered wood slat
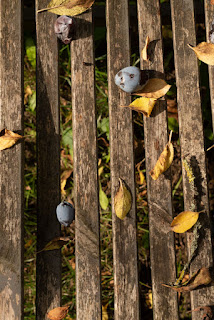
x,y
126,296
87,243
162,251
192,140
209,16
11,162
48,160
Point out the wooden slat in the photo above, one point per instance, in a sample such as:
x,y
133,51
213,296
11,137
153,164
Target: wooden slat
x,y
87,243
192,139
209,16
11,162
126,297
48,160
162,253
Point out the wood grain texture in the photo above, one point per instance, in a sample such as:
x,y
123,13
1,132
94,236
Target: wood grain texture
x,y
48,160
192,140
87,243
162,253
209,16
126,296
11,162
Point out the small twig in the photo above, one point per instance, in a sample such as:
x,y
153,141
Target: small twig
x,y
210,148
170,136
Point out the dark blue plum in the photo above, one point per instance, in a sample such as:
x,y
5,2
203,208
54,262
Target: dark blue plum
x,y
128,79
65,213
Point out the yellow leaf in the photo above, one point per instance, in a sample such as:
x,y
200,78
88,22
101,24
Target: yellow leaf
x,y
68,7
144,52
58,313
164,161
104,312
184,221
122,201
143,105
8,139
204,52
56,243
64,177
154,88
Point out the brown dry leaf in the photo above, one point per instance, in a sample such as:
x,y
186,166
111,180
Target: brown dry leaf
x,y
184,221
122,201
104,312
164,161
144,52
201,277
64,176
58,313
154,88
143,105
204,52
68,7
56,243
8,139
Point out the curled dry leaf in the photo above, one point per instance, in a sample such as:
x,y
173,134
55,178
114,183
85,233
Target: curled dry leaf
x,y
204,52
8,139
184,221
154,88
58,313
144,52
164,161
56,243
122,201
68,7
143,105
201,278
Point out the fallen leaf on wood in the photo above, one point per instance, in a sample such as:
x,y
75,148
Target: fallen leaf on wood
x,y
154,88
204,52
144,52
122,201
164,161
8,139
201,277
143,105
56,243
68,7
184,221
58,313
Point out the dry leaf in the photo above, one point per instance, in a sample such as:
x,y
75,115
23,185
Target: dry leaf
x,y
184,221
68,7
64,176
104,312
204,52
58,313
164,161
144,52
8,139
122,201
56,243
143,105
154,88
201,277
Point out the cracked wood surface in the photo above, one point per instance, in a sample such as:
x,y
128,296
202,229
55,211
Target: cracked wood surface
x,y
126,296
162,252
192,141
87,220
48,271
11,162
